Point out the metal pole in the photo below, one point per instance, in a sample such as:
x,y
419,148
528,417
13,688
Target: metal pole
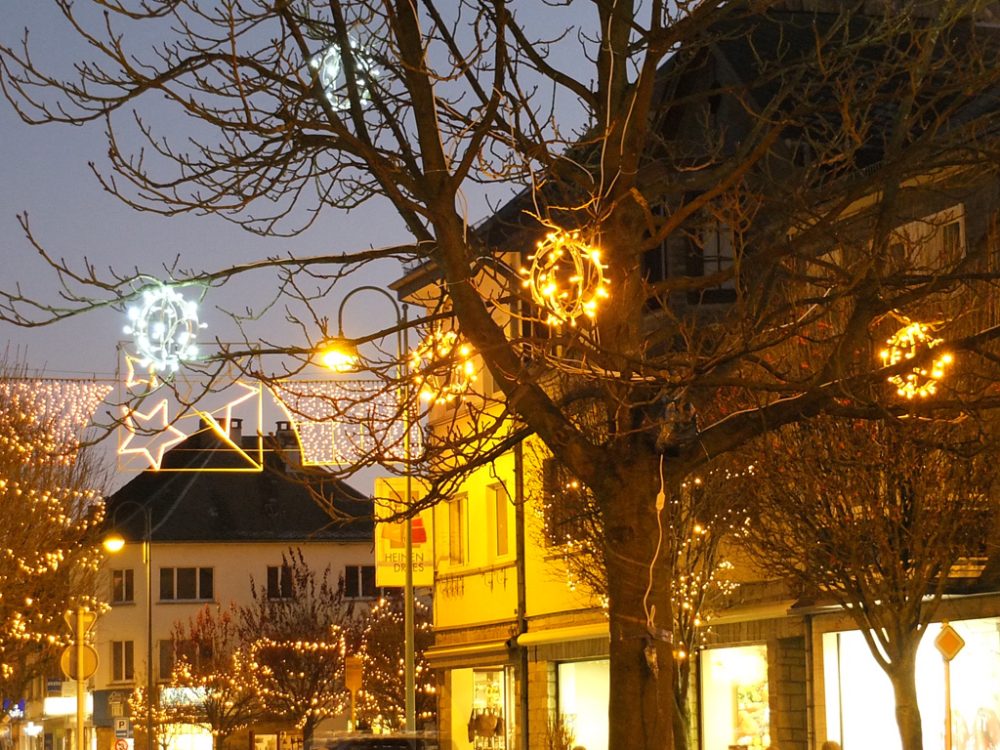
x,y
81,691
150,683
947,704
408,665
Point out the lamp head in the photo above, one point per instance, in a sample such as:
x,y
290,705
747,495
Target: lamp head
x,y
339,354
113,542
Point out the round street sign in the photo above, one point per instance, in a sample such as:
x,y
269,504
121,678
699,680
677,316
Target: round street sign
x,y
67,662
121,744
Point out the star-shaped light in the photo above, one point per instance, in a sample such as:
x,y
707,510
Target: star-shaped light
x,y
159,440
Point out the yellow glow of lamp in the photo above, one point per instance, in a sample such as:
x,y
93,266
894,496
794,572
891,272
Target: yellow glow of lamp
x,y
113,542
566,278
907,343
339,354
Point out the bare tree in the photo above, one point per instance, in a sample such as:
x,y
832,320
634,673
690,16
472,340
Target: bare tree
x,y
742,167
211,676
874,517
295,647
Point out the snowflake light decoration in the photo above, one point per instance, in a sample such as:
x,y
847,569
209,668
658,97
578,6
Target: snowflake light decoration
x,y
442,367
566,278
164,325
329,65
907,343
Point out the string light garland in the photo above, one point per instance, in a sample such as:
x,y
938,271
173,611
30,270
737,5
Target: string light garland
x,y
443,368
340,422
61,408
164,326
566,278
910,340
329,66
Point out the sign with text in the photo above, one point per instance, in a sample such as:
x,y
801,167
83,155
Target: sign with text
x,y
390,534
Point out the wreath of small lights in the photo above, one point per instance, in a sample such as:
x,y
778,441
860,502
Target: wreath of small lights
x,y
164,326
329,66
566,278
442,367
906,343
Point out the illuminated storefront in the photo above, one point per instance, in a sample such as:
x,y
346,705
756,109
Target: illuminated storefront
x,y
583,701
481,700
734,698
859,702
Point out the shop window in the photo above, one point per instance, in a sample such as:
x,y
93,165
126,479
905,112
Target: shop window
x,y
488,728
734,697
122,661
499,510
122,586
186,584
583,689
279,582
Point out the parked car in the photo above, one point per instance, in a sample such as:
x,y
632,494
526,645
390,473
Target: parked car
x,y
381,742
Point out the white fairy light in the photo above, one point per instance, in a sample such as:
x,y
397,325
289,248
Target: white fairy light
x,y
329,66
164,326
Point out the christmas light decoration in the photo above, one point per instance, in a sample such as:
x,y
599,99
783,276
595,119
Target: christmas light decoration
x,y
62,408
906,343
443,368
329,65
566,278
164,434
339,422
164,326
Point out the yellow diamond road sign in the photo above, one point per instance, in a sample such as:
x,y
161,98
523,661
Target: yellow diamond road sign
x,y
949,642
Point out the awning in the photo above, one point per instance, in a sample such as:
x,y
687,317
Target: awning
x,y
749,613
564,634
473,654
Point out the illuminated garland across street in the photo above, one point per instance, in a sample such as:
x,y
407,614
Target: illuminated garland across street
x,y
907,343
338,422
63,408
443,369
566,278
164,325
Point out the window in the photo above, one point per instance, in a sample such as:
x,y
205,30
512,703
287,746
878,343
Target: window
x,y
567,504
359,582
122,661
279,582
710,253
122,586
186,584
195,653
931,244
499,510
456,530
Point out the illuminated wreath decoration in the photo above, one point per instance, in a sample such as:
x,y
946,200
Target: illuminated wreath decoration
x,y
566,278
164,325
329,65
442,367
907,343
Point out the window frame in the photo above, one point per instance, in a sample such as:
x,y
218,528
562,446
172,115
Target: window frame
x,y
122,661
203,578
359,583
280,586
122,586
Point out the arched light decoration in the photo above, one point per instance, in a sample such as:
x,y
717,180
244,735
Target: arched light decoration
x,y
442,367
566,278
907,343
164,326
329,65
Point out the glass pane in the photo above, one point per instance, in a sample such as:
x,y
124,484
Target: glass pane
x,y
167,583
186,583
368,581
206,583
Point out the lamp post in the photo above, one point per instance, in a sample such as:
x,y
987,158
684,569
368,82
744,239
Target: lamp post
x,y
113,543
340,354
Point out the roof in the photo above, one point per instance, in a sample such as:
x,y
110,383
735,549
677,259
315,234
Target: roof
x,y
202,505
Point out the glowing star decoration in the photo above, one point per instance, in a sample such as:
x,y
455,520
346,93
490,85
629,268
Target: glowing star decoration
x,y
566,278
443,369
163,436
342,422
906,343
329,66
220,425
63,408
164,325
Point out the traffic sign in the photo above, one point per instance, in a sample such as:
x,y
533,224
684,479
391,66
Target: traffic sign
x,y
122,727
121,744
67,662
89,618
949,642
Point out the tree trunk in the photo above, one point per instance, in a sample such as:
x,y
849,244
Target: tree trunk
x,y
642,681
307,734
904,687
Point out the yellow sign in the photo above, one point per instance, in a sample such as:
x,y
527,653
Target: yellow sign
x,y
390,535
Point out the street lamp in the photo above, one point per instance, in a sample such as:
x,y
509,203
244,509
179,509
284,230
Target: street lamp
x,y
340,354
113,543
